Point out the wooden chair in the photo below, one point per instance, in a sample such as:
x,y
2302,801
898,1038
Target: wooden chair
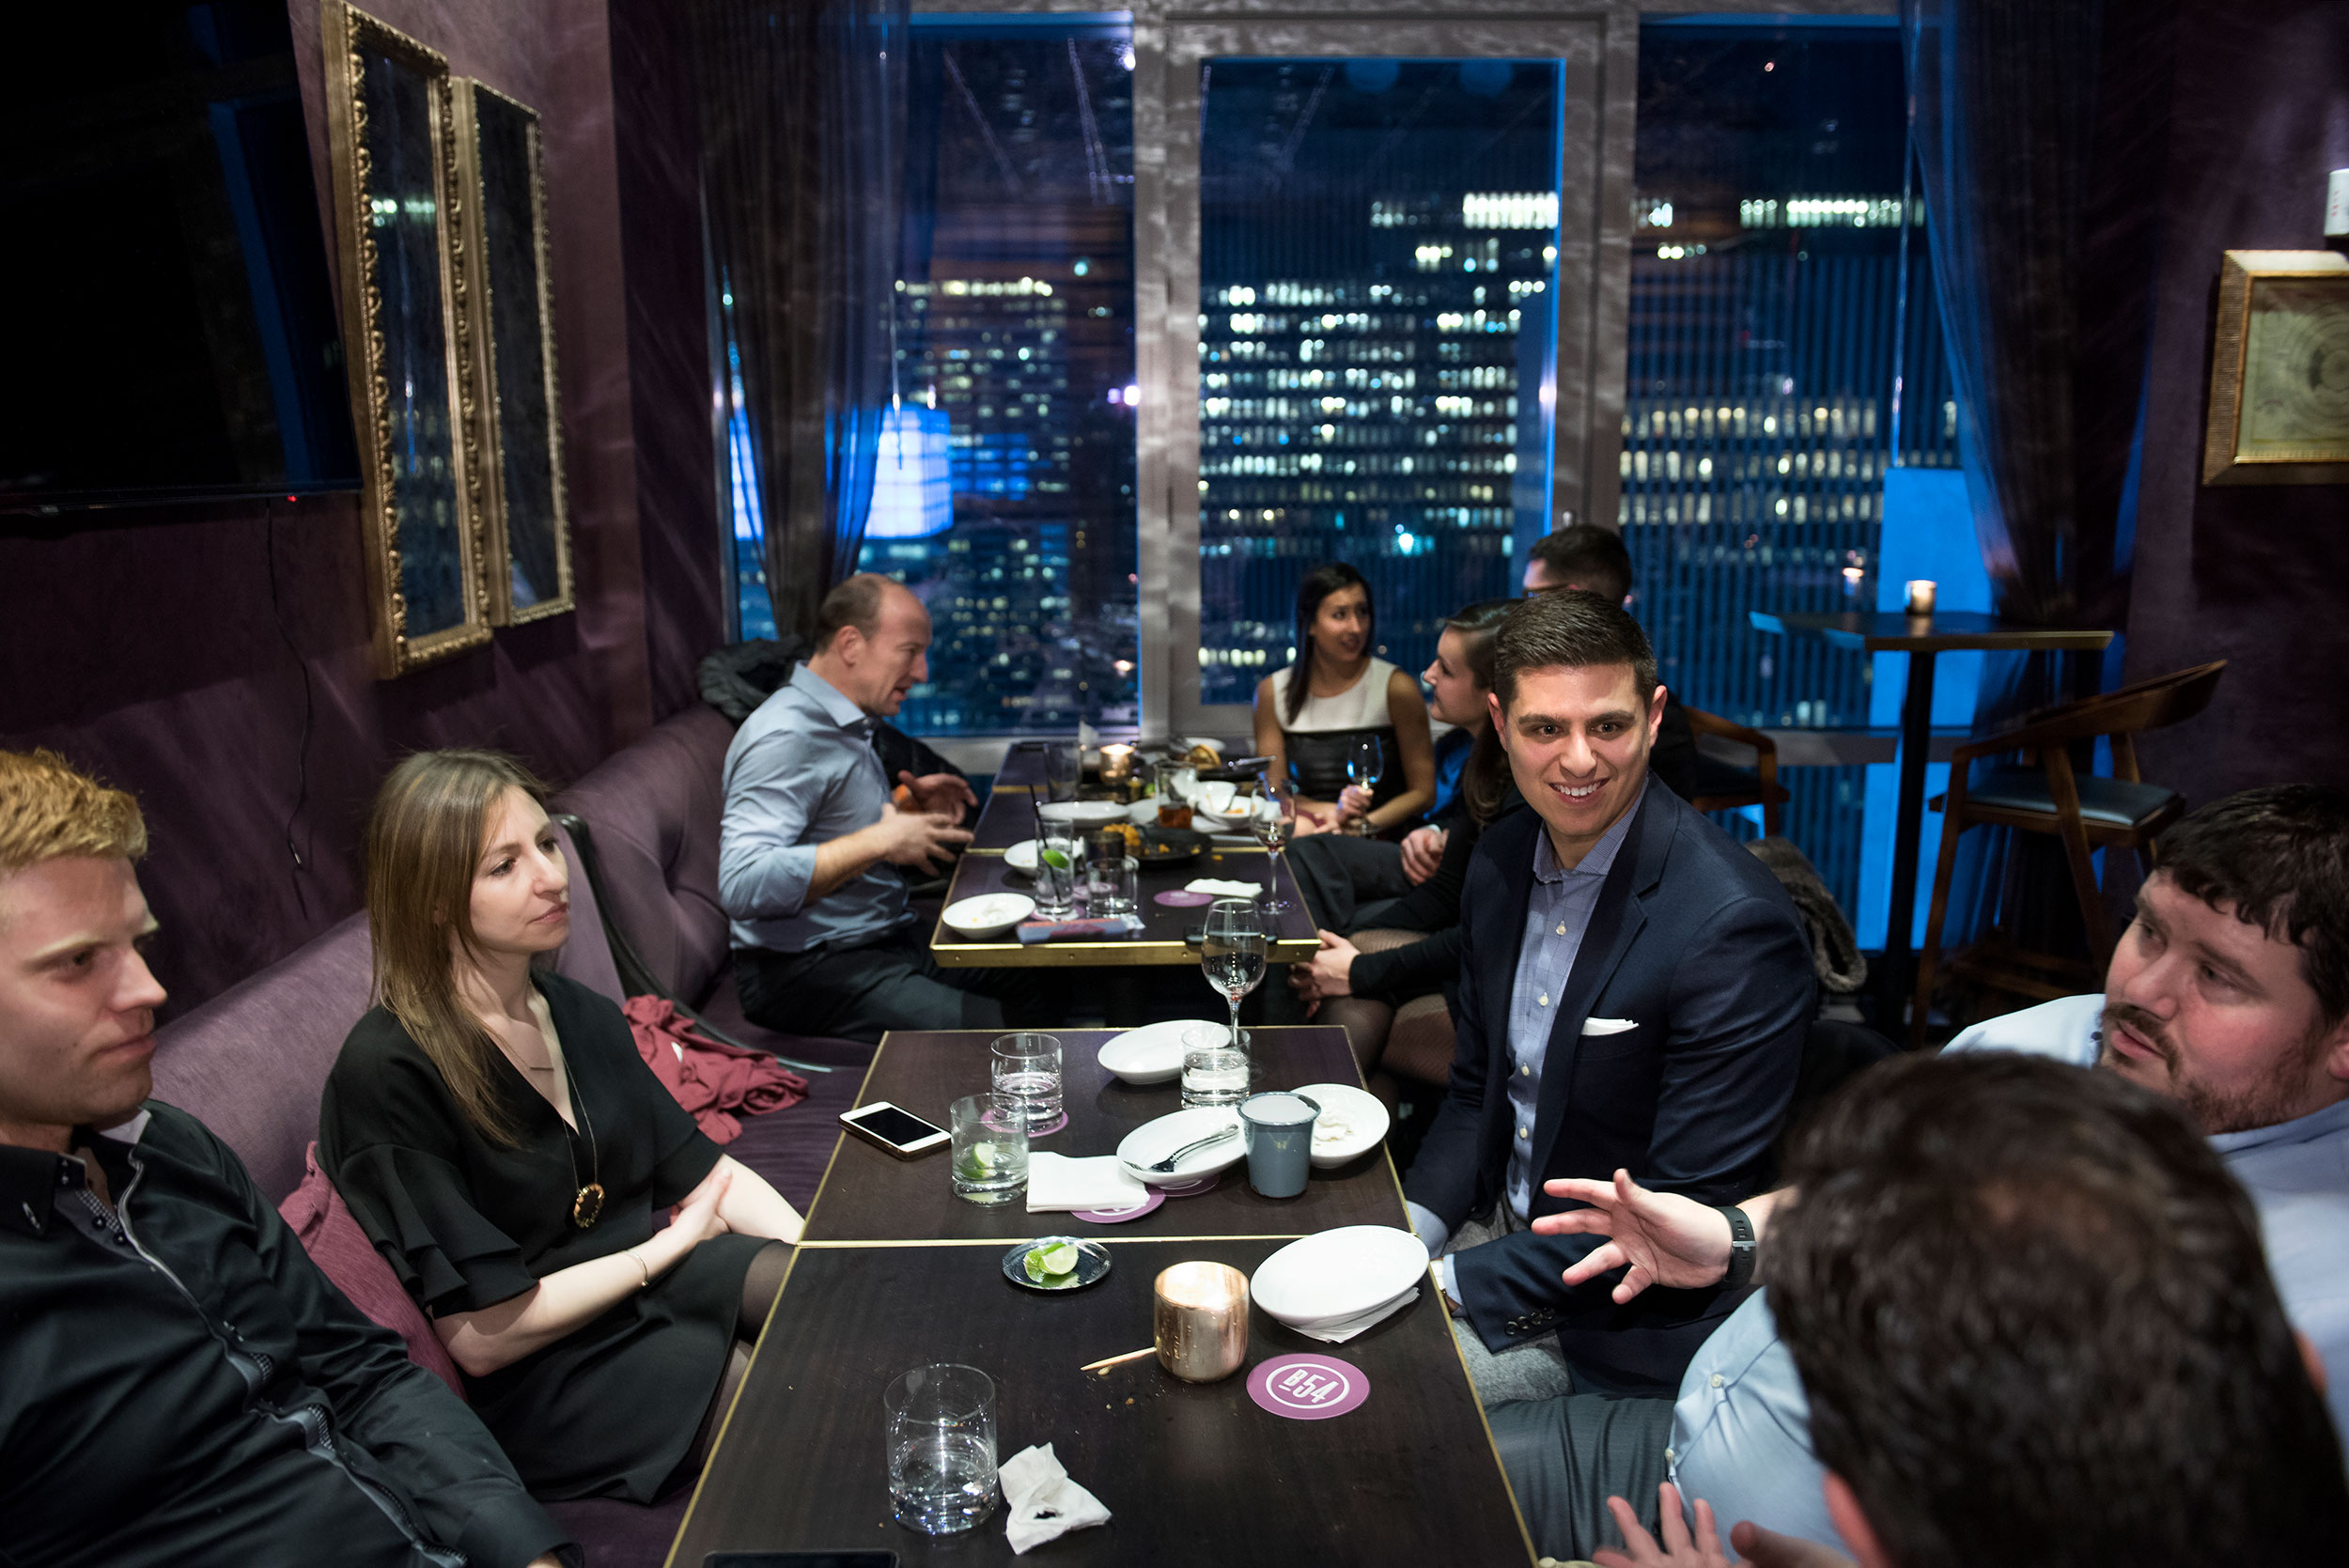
x,y
1725,786
2043,794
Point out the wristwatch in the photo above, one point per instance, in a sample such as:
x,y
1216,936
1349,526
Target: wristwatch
x,y
1742,1246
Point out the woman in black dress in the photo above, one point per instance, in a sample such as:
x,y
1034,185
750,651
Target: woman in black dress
x,y
500,1141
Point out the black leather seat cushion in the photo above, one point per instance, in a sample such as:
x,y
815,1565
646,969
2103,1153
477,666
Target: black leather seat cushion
x,y
2107,803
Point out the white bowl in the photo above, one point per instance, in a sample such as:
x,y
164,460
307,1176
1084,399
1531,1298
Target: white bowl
x,y
1356,1116
1153,1140
1338,1274
1084,814
1021,857
1220,804
988,916
1154,1052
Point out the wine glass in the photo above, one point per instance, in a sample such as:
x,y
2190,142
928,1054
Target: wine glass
x,y
1365,759
1232,954
1272,817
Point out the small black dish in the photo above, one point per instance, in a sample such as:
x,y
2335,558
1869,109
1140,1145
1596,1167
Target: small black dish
x,y
1170,845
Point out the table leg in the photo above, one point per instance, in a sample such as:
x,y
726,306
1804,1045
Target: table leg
x,y
1893,976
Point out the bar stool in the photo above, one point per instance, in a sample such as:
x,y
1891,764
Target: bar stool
x,y
1726,787
2043,794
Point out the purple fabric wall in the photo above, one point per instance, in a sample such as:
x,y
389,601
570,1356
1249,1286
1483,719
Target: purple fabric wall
x,y
2258,111
148,650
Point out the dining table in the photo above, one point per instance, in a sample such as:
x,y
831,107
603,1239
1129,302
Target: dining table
x,y
894,1273
1922,638
1167,928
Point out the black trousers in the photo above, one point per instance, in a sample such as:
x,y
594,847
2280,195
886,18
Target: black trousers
x,y
1348,881
857,993
1565,1457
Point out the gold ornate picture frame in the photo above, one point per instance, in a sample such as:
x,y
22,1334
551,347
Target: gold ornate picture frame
x,y
2279,371
398,199
516,413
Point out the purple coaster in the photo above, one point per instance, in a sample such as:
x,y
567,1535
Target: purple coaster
x,y
1179,898
1119,1216
1049,1127
1191,1189
1308,1388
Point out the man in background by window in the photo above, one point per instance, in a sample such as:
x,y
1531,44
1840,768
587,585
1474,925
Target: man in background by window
x,y
825,940
1582,556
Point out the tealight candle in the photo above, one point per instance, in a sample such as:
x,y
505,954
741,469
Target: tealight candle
x,y
1920,596
1117,764
1199,1320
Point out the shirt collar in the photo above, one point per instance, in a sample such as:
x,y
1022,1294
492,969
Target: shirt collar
x,y
835,703
1602,856
30,1180
2331,1122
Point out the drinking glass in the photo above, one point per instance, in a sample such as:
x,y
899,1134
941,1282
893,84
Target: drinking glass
x,y
942,1447
1272,818
1232,954
1027,1079
1057,851
1062,765
1365,759
990,1149
1215,1071
1113,885
1174,810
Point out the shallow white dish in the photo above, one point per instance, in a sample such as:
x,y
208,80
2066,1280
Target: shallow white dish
x,y
1338,1274
1362,1119
1219,805
1021,857
988,915
1084,814
1154,1052
1154,1140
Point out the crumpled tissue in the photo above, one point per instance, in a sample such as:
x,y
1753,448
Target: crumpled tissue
x,y
1043,1502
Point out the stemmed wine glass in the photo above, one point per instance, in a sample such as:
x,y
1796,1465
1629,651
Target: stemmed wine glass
x,y
1272,817
1365,759
1232,954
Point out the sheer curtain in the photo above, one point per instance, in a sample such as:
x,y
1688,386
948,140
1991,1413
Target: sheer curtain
x,y
803,113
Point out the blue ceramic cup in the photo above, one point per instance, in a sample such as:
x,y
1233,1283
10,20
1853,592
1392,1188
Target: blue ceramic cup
x,y
1278,1128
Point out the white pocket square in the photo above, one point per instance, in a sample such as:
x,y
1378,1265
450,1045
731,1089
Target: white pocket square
x,y
1608,1026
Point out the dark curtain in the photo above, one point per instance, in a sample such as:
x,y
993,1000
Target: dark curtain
x,y
803,112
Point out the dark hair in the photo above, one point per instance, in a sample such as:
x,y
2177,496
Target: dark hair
x,y
2280,856
1589,557
2035,1320
1484,780
1319,585
855,601
1570,628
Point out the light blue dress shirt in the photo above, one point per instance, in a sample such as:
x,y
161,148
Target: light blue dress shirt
x,y
1741,1431
802,771
1558,911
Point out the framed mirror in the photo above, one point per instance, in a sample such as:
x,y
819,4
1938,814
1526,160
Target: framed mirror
x,y
390,133
525,532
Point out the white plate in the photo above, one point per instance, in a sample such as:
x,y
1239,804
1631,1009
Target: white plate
x,y
1154,1052
1021,857
1338,1274
990,914
1364,1118
1084,814
1154,1140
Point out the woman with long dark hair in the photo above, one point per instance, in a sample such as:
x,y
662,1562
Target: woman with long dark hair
x,y
1309,715
499,1138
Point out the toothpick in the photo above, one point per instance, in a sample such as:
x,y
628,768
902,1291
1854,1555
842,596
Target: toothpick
x,y
1129,1356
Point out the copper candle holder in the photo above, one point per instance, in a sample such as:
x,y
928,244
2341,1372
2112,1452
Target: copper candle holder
x,y
1199,1320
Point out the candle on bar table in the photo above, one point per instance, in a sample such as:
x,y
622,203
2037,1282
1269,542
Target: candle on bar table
x,y
1117,764
1920,596
1199,1320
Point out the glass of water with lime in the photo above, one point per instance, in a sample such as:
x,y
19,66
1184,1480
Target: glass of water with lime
x,y
1059,854
990,1148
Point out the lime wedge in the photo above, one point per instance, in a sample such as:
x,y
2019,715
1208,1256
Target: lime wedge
x,y
1058,1259
1051,1265
1053,858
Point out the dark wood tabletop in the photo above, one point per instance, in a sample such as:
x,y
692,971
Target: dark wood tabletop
x,y
1191,1473
1894,632
1160,941
869,1196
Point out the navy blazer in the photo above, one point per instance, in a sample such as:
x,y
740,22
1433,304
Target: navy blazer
x,y
1693,941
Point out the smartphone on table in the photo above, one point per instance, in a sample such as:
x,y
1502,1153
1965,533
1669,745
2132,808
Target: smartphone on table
x,y
895,1129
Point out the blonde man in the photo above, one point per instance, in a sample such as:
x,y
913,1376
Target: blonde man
x,y
177,1382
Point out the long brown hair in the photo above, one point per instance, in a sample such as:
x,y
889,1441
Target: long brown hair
x,y
424,840
1485,782
1319,585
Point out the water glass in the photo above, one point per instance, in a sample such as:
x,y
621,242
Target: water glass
x,y
1214,1066
1113,885
1027,1077
990,1149
1063,766
942,1447
1058,851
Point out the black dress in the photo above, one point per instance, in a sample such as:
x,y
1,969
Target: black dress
x,y
608,1409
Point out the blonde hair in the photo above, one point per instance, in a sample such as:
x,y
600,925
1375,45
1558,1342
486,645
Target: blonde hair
x,y
50,810
423,840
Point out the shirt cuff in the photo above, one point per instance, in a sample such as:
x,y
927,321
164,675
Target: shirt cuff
x,y
1447,1276
1432,1231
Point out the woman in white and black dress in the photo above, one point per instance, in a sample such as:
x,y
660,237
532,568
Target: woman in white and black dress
x,y
1309,715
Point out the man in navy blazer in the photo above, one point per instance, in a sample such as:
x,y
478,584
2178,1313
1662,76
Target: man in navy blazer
x,y
1633,990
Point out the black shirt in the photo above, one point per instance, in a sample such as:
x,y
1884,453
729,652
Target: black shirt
x,y
178,1384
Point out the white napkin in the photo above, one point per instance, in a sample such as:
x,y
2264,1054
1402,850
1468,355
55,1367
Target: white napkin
x,y
1059,1185
1222,889
1345,1328
1042,1501
1609,1025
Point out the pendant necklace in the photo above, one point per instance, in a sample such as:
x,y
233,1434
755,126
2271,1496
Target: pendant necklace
x,y
588,1202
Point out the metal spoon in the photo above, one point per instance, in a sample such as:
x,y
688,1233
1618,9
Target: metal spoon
x,y
1162,1167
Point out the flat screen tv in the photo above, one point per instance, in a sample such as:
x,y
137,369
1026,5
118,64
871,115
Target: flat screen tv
x,y
170,329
